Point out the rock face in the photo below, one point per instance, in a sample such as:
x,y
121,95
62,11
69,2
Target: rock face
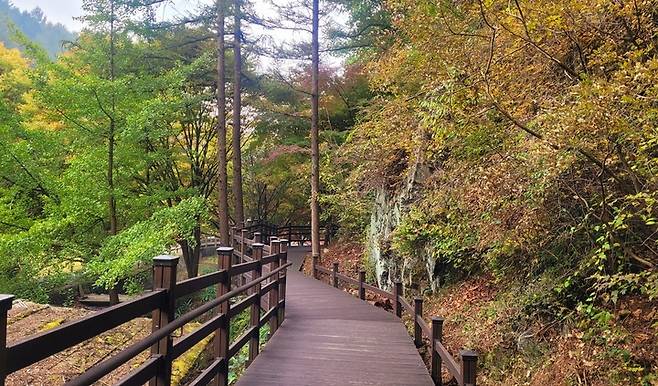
x,y
388,209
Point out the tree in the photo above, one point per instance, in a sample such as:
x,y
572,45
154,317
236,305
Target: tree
x,y
315,147
237,111
222,186
115,87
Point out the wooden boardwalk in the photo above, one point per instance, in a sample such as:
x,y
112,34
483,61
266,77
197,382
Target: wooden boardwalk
x,y
332,338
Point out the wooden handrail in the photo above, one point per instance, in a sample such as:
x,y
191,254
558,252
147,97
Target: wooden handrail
x,y
100,370
465,375
448,360
143,373
35,348
407,307
192,285
40,346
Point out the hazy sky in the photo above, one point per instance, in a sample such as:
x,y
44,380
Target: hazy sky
x,y
64,11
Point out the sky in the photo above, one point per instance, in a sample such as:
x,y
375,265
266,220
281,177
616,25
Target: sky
x,y
65,12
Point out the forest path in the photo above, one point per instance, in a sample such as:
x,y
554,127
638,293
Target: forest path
x,y
331,338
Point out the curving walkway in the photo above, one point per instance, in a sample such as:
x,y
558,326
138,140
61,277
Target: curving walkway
x,y
332,338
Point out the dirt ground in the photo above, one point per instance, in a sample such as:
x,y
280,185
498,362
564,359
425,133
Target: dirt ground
x,y
26,319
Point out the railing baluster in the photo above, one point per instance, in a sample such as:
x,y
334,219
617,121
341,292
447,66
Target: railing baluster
x,y
362,289
398,292
418,314
164,277
334,274
222,340
283,260
243,244
5,306
437,334
275,248
254,342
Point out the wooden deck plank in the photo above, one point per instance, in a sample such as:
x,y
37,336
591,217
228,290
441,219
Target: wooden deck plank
x,y
332,338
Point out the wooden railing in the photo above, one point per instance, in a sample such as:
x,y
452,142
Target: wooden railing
x,y
160,302
464,372
300,233
293,233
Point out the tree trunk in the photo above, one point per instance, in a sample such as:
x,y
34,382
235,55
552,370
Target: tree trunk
x,y
192,254
315,151
114,296
112,209
222,186
237,109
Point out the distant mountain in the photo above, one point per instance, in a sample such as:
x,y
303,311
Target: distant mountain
x,y
35,26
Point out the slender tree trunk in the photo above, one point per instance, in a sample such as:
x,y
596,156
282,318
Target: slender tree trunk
x,y
112,210
315,150
237,109
192,254
222,186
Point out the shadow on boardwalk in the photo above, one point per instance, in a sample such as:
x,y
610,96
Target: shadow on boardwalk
x,y
332,338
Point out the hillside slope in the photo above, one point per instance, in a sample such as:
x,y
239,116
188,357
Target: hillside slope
x,y
35,26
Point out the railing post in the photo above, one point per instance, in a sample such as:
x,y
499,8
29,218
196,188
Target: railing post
x,y
398,292
283,260
243,244
258,237
275,248
314,267
362,289
5,306
254,342
232,243
223,333
290,233
164,277
469,367
418,314
334,274
437,335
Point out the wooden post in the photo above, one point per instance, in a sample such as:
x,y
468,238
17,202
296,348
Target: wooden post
x,y
437,335
314,267
243,244
283,260
362,289
290,233
469,367
164,277
398,292
418,314
5,306
223,333
254,342
275,248
334,274
258,237
233,234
